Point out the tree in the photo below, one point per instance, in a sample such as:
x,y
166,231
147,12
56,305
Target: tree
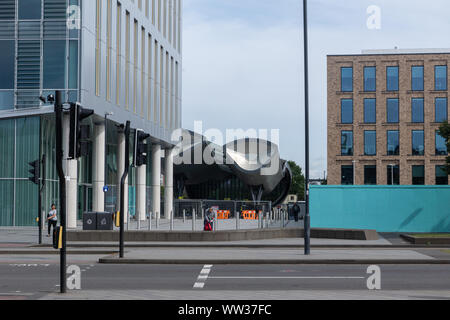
x,y
298,181
444,132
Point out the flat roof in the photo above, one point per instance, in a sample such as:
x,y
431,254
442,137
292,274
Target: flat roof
x,y
396,51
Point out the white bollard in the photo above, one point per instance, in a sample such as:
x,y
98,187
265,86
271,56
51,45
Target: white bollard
x,y
193,220
150,222
171,220
157,221
184,215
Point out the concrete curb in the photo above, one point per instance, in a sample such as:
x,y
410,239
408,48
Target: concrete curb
x,y
54,252
269,261
425,241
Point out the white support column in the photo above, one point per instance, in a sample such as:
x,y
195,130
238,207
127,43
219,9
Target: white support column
x,y
156,180
141,186
120,170
71,171
168,186
98,168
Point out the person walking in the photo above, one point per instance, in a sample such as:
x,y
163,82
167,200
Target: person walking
x,y
296,209
209,220
52,219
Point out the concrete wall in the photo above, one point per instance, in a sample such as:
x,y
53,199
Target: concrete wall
x,y
383,208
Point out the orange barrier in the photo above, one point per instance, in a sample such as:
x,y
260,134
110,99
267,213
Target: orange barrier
x,y
249,215
223,214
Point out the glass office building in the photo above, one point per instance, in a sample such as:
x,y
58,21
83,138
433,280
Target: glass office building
x,y
120,58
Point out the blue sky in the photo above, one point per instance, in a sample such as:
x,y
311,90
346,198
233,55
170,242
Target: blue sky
x,y
243,60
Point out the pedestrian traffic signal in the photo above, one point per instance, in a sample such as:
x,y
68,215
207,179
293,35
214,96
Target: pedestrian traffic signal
x,y
35,171
140,148
79,134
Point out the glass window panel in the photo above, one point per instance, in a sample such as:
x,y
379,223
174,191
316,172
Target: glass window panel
x,y
347,111
55,9
440,82
392,78
7,149
392,110
417,110
7,9
441,145
28,65
26,203
393,175
417,78
370,78
418,175
370,175
73,64
54,64
29,9
347,79
393,143
6,100
441,176
7,201
441,110
370,143
347,175
27,144
7,62
347,143
418,143
370,110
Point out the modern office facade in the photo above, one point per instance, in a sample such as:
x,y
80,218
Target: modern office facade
x,y
385,108
120,58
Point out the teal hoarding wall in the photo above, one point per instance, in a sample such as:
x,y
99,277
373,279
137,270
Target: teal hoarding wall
x,y
383,208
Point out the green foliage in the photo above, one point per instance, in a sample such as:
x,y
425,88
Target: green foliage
x,y
298,181
444,131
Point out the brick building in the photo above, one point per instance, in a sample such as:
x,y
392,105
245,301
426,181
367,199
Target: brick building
x,y
384,110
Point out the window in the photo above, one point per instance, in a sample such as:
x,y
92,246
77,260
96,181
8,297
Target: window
x,y
54,64
370,175
393,175
392,78
108,49
418,144
370,110
29,9
6,100
417,78
135,64
393,143
370,78
441,110
347,111
417,110
118,51
418,175
370,143
347,175
392,110
98,33
7,62
440,78
347,143
441,176
441,145
347,79
127,60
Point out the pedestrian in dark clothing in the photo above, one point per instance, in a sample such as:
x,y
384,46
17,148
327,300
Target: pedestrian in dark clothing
x,y
296,210
52,219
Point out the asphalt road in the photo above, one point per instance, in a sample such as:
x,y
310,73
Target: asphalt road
x,y
34,277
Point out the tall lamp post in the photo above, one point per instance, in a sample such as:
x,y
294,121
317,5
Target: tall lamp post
x,y
307,224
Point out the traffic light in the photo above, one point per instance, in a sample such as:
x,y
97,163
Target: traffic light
x,y
35,171
140,148
79,134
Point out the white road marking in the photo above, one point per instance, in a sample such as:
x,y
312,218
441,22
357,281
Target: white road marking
x,y
203,276
324,277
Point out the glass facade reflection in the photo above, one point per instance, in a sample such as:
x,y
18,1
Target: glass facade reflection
x,y
392,106
392,78
347,79
370,110
347,143
370,79
347,111
441,110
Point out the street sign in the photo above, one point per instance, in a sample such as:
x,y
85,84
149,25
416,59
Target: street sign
x,y
105,189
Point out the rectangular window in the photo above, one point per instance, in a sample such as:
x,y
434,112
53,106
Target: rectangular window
x,y
370,79
149,77
347,143
155,83
127,60
370,110
418,143
370,175
347,79
392,106
440,78
441,145
441,110
417,78
135,64
29,9
441,176
54,64
98,34
418,175
370,143
347,111
7,63
118,51
393,175
393,143
108,49
142,72
392,78
73,64
417,110
347,175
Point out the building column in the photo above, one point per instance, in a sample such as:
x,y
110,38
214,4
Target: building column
x,y
71,172
120,170
156,180
168,184
98,168
141,186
